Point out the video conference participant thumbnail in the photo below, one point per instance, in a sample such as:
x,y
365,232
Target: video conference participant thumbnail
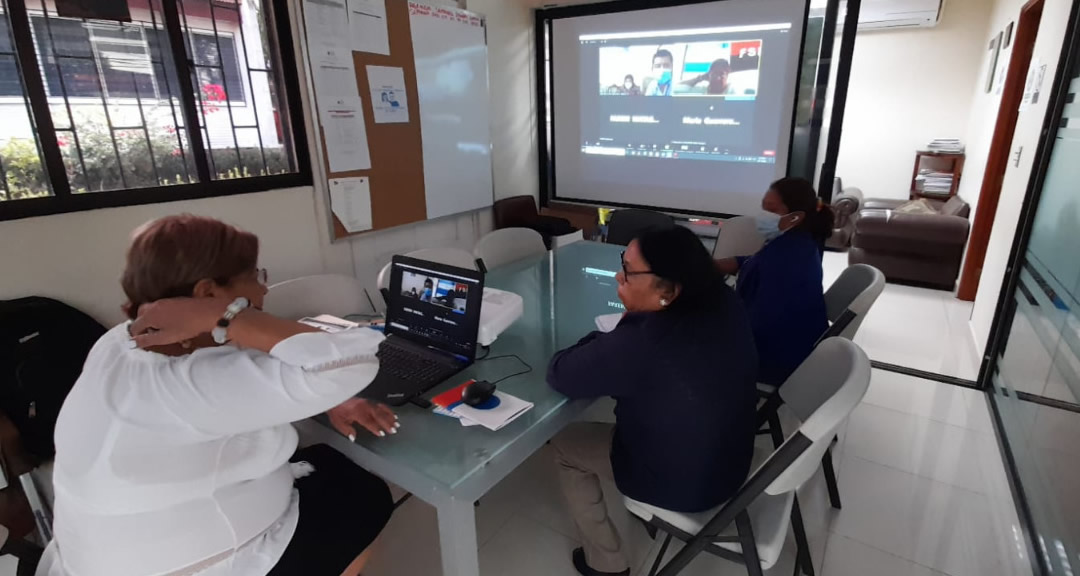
x,y
703,68
438,291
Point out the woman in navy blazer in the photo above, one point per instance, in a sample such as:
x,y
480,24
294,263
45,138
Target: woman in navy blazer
x,y
781,285
682,368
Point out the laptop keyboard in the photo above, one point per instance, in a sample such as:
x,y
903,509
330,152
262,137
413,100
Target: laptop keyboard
x,y
412,367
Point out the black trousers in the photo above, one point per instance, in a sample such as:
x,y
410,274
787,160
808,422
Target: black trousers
x,y
342,509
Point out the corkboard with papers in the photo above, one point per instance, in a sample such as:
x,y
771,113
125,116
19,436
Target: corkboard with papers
x,y
364,70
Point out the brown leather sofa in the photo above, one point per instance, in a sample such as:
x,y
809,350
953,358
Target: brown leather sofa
x,y
923,249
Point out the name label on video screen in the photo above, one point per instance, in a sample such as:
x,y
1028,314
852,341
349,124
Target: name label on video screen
x,y
697,121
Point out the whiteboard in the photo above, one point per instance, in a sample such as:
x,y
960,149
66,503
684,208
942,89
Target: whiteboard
x,y
450,51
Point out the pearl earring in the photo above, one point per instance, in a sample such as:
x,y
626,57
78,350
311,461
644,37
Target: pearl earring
x,y
663,302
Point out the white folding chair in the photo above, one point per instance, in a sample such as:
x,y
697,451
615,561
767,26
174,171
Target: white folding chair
x,y
850,297
847,302
333,294
738,237
508,245
566,239
751,527
449,256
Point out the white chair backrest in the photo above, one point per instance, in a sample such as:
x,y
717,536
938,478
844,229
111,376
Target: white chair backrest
x,y
332,294
821,392
449,256
857,288
738,237
508,245
567,239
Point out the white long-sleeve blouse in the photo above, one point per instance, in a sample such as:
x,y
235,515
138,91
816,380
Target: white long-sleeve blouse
x,y
176,465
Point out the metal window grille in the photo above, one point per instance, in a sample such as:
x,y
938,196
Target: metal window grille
x,y
107,105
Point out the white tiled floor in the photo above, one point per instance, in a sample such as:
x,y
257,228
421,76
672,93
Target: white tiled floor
x,y
921,479
915,327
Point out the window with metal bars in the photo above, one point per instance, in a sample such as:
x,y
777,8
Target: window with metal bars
x,y
96,113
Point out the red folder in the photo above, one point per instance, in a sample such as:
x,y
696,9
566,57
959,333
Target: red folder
x,y
451,397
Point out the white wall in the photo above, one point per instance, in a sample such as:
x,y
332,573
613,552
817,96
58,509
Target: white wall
x,y
511,77
78,257
908,87
984,106
1028,127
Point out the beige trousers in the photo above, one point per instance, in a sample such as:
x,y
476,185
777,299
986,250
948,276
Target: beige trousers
x,y
583,454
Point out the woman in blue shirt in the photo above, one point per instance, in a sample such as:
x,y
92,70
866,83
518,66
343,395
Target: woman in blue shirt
x,y
781,285
681,366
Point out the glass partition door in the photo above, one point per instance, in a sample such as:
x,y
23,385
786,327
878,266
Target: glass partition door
x,y
1035,374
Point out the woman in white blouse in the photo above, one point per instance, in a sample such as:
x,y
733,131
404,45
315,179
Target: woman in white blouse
x,y
173,450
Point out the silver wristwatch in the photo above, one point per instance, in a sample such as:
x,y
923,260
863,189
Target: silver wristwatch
x,y
220,332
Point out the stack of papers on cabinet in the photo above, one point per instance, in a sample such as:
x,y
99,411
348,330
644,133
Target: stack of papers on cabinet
x,y
946,146
934,183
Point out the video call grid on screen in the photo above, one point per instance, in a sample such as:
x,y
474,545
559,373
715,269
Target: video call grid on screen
x,y
436,290
432,306
687,108
686,94
632,64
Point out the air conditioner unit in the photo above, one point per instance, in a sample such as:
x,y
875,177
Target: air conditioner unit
x,y
891,14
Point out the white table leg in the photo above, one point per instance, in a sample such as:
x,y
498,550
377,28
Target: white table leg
x,y
457,538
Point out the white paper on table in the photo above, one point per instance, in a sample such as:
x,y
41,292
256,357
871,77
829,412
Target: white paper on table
x,y
388,99
346,135
327,26
508,410
328,323
608,322
350,200
367,26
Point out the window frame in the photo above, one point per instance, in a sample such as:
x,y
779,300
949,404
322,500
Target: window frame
x,y
244,88
63,200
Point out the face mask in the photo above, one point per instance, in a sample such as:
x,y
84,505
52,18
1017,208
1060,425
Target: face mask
x,y
768,225
665,77
629,85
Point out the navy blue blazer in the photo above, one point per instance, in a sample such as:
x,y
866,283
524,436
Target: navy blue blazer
x,y
781,287
685,386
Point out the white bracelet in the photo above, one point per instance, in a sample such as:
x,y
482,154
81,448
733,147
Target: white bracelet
x,y
220,333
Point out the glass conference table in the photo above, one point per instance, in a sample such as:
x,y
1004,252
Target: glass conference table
x,y
450,466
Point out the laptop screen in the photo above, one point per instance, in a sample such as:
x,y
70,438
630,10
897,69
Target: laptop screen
x,y
435,305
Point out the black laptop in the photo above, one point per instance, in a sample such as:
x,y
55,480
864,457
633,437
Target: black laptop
x,y
432,321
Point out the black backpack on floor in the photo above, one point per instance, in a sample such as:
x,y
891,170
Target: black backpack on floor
x,y
43,346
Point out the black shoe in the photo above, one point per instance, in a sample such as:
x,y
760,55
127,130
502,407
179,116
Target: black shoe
x,y
584,570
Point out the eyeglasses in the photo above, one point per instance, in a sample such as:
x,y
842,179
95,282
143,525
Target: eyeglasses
x,y
262,276
628,273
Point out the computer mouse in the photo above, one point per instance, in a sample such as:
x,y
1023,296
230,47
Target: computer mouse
x,y
477,392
